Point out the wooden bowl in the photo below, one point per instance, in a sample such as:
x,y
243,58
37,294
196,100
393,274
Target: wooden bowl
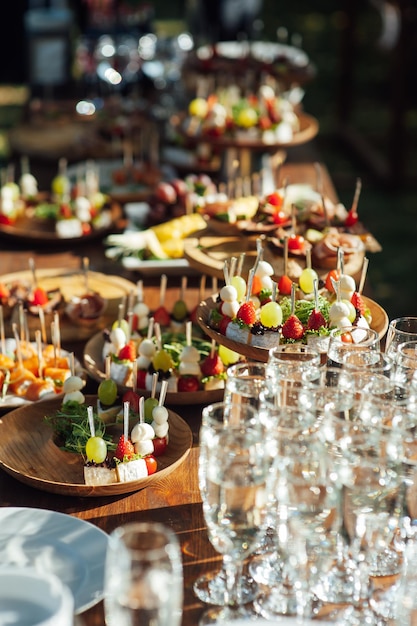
x,y
29,454
379,323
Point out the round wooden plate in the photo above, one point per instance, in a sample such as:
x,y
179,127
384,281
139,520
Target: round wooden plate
x,y
379,323
72,283
43,231
309,127
207,254
29,454
93,363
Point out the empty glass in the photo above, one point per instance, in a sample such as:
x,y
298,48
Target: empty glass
x,y
233,478
400,330
351,339
143,576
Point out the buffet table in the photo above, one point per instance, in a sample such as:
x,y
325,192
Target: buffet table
x,y
174,500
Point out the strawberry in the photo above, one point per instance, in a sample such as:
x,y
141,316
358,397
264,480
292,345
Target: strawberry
x,y
128,352
223,324
293,328
125,449
212,365
358,302
316,320
247,313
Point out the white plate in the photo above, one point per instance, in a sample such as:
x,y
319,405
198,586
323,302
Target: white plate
x,y
71,548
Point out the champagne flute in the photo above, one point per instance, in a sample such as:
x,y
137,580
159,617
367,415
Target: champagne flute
x,y
143,583
233,478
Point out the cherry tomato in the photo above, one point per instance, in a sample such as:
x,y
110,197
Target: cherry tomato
x,y
141,379
351,218
275,199
151,464
86,228
188,383
295,242
285,285
280,217
159,445
346,338
335,274
133,399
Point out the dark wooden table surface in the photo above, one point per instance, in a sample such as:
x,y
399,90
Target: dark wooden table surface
x,y
175,500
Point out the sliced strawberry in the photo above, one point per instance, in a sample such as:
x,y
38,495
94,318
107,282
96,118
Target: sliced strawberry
x,y
358,302
212,365
128,352
247,313
125,449
293,328
316,320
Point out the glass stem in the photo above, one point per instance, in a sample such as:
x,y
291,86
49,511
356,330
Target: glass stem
x,y
234,574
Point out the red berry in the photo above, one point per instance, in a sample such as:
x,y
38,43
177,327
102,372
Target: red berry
x,y
316,320
125,449
212,365
247,313
128,352
141,379
293,328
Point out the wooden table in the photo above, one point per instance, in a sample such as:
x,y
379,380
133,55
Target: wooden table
x,y
174,501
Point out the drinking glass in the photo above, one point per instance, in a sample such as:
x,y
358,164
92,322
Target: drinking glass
x,y
143,583
405,363
243,385
308,511
234,474
400,330
368,458
351,339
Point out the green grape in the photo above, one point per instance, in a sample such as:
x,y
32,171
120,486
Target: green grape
x,y
352,310
271,314
96,449
239,284
179,311
149,405
60,185
162,361
107,391
228,356
123,324
306,280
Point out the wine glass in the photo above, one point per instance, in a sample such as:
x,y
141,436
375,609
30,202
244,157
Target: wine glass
x,y
308,511
234,474
368,458
244,384
143,581
351,339
400,330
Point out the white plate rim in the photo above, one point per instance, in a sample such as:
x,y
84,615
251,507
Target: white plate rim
x,y
90,593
